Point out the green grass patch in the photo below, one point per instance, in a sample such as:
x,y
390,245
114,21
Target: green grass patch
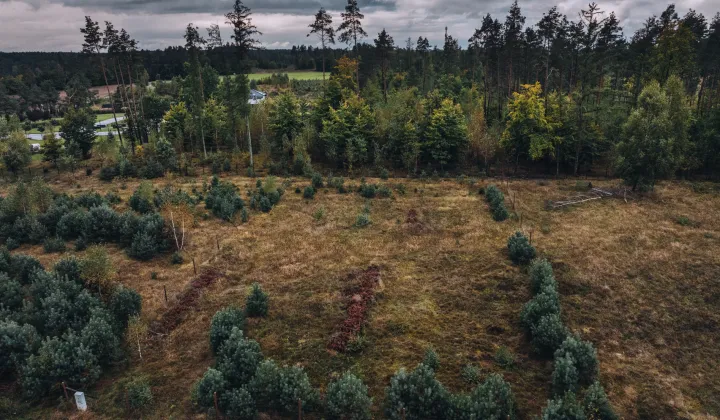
x,y
294,75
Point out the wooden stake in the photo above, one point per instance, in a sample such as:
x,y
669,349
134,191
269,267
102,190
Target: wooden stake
x,y
65,390
217,411
165,290
299,409
194,266
217,242
402,413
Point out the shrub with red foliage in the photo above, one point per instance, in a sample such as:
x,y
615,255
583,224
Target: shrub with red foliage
x,y
185,302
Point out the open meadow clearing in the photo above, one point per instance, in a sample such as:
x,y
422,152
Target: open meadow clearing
x,y
634,279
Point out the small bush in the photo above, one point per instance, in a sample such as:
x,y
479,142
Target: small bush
x,y
319,214
596,403
384,174
548,334
211,382
238,358
11,293
384,192
68,268
316,180
222,325
504,357
72,225
470,374
257,302
143,247
176,258
12,243
81,244
521,252
124,304
496,201
238,404
22,267
108,173
309,193
141,200
54,245
541,275
280,388
493,399
101,225
431,359
418,393
584,355
368,190
544,303
362,220
348,399
565,377
563,408
139,394
336,182
90,200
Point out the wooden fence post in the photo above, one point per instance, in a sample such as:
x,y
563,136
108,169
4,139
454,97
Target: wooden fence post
x,y
165,290
299,409
65,390
217,410
194,266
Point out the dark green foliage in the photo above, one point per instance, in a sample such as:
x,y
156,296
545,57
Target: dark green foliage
x,y
176,258
563,408
223,200
544,303
266,195
279,388
101,225
90,200
59,359
171,195
336,182
496,201
565,377
99,337
12,243
28,229
108,173
309,193
69,268
128,225
238,358
17,343
418,392
222,325
166,155
493,399
51,218
11,293
54,245
431,359
348,399
152,169
124,304
384,174
597,405
81,244
22,266
384,191
368,190
140,204
521,252
541,275
211,382
548,334
257,302
143,247
238,404
316,180
362,220
139,394
583,354
72,225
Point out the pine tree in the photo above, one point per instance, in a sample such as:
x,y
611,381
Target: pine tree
x,y
52,148
243,29
257,302
347,398
384,45
323,29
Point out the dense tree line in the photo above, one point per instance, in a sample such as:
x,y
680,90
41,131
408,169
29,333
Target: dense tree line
x,y
563,95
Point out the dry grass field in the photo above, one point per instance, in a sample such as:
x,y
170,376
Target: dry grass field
x,y
643,287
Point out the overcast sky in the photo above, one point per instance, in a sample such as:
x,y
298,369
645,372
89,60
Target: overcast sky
x,y
53,25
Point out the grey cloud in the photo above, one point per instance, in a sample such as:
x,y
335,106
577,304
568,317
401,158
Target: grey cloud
x,y
52,25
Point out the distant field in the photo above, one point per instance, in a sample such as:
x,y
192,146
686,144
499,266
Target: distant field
x,y
295,75
102,117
